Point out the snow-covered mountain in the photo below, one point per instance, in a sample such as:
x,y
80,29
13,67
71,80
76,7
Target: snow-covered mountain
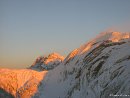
x,y
48,62
21,83
98,69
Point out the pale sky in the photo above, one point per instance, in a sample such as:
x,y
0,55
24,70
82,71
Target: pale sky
x,y
30,28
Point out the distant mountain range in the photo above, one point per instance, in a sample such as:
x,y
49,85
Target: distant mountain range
x,y
98,69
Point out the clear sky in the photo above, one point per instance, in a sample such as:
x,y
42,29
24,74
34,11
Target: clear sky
x,y
30,28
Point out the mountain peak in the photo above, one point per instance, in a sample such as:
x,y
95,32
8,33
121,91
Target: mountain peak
x,y
47,62
112,36
101,38
52,57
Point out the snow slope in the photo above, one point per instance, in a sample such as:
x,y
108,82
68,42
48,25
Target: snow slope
x,y
20,83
